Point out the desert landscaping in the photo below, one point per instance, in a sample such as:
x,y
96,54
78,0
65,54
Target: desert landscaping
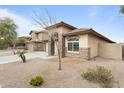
x,y
56,54
18,74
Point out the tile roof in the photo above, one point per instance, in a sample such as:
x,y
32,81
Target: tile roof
x,y
87,31
62,24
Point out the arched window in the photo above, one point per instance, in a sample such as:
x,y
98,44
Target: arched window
x,y
73,44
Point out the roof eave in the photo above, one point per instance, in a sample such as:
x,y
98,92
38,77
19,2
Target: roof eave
x,y
61,24
90,31
101,36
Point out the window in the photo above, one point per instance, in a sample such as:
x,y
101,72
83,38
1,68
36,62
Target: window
x,y
70,46
76,46
73,44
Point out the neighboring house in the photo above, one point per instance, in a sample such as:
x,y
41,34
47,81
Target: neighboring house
x,y
20,43
84,42
38,41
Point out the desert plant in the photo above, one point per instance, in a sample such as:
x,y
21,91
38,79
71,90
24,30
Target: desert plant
x,y
89,75
22,55
99,75
37,81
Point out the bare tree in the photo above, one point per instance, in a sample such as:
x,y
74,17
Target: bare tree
x,y
44,21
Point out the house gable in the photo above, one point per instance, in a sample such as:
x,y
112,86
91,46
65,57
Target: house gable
x,y
87,31
61,24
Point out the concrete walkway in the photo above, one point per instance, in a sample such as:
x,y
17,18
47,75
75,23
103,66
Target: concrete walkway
x,y
14,58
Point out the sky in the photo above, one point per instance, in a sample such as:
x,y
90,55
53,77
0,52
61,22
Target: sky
x,y
104,19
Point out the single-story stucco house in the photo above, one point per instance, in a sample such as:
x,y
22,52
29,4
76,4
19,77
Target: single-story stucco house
x,y
85,43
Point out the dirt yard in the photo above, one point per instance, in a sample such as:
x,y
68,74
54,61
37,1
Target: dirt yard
x,y
18,74
7,52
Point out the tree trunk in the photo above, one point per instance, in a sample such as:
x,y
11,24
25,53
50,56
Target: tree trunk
x,y
60,68
23,58
13,47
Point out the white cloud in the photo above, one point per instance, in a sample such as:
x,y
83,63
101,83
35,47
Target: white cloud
x,y
93,10
110,20
24,24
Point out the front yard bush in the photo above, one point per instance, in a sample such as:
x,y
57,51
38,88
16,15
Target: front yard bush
x,y
99,75
21,54
37,81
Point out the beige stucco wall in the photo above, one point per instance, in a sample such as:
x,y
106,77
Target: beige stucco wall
x,y
55,47
112,51
93,45
58,30
65,29
47,47
45,36
34,36
42,36
30,47
83,41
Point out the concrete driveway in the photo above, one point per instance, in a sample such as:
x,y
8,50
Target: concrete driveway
x,y
31,55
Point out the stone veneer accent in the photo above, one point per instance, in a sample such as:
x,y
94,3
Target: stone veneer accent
x,y
84,53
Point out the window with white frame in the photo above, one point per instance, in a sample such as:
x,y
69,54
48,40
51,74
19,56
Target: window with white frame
x,y
73,44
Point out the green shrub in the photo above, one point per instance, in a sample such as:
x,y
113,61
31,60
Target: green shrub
x,y
37,81
89,75
99,75
21,54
